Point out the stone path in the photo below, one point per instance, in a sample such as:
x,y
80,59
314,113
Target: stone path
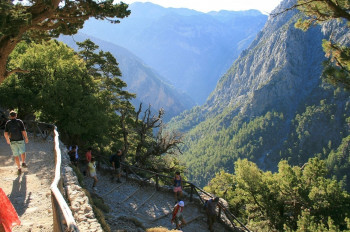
x,y
135,208
29,192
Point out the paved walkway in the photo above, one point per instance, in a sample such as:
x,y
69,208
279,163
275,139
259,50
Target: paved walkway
x,y
30,191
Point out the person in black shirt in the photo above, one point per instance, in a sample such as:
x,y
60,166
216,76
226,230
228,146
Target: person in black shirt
x,y
211,212
116,160
72,155
16,136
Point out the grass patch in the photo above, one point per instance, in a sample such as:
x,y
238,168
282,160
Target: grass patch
x,y
98,212
96,202
79,175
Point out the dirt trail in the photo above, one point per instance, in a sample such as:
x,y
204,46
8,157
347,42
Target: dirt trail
x,y
133,208
30,191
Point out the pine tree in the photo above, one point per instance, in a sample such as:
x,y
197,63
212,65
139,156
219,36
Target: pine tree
x,y
37,19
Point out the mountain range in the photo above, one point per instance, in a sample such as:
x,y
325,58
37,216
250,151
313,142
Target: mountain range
x,y
149,86
271,105
190,49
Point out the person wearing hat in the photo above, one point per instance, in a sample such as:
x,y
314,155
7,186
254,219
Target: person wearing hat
x,y
178,215
211,212
16,136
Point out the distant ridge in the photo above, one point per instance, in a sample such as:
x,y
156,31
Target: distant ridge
x,y
191,49
150,87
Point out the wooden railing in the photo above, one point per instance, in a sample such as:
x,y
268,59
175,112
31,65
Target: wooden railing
x,y
145,176
59,204
39,129
63,219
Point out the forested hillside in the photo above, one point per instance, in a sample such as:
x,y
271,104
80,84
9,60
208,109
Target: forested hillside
x,y
271,105
190,48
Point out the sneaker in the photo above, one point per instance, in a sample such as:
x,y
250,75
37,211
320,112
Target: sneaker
x,y
19,171
94,188
24,165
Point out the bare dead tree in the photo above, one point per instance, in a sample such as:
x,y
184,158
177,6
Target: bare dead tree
x,y
150,146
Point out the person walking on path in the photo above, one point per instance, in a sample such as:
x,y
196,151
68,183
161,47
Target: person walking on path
x,y
116,160
92,171
177,187
177,215
16,136
211,212
88,157
72,155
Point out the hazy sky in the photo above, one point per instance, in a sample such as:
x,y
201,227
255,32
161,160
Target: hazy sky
x,y
265,6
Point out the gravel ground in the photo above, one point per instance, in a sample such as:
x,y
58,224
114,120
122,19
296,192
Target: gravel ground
x,y
135,208
30,191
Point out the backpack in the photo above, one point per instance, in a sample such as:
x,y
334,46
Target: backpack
x,y
205,205
14,130
111,158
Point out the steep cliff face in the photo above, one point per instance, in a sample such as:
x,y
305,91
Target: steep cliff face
x,y
270,104
270,73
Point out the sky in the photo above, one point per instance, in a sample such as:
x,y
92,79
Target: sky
x,y
265,6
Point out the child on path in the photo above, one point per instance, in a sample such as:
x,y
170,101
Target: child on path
x,y
177,187
92,171
178,215
88,156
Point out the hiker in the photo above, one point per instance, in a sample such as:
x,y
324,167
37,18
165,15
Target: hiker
x,y
92,171
116,160
72,155
16,136
177,187
88,160
178,215
211,205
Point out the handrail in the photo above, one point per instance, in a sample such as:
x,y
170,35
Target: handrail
x,y
193,187
56,196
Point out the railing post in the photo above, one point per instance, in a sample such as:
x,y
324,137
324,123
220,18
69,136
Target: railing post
x,y
126,173
219,214
191,194
157,182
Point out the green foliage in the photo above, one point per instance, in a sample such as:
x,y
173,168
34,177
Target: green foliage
x,y
48,19
60,90
218,142
82,94
292,199
338,162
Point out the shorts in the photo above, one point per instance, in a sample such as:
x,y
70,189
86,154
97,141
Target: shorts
x,y
18,147
93,174
179,219
117,171
177,189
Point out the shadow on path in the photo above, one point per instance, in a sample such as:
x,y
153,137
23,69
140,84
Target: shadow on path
x,y
18,194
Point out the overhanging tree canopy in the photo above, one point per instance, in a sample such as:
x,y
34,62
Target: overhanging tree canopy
x,y
43,19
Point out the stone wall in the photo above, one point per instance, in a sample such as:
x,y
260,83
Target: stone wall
x,y
78,200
